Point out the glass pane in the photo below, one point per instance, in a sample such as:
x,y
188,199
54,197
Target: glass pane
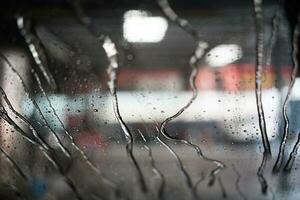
x,y
149,100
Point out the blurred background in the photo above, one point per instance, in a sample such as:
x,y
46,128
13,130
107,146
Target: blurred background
x,y
61,139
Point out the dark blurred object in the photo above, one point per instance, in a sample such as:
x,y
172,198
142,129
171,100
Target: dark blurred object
x,y
292,8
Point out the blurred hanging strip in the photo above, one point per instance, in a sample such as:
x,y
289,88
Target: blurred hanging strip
x,y
37,52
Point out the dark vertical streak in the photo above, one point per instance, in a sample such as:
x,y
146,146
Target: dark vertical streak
x,y
275,26
293,155
72,186
64,150
237,186
260,174
17,170
112,71
224,193
36,50
259,28
14,165
195,187
16,191
259,71
155,170
280,157
199,51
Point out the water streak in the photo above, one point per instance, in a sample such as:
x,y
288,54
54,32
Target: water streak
x,y
33,130
29,96
275,26
280,156
112,71
179,163
13,164
199,52
161,185
15,191
4,115
223,190
237,183
195,187
182,23
50,158
41,145
87,23
260,174
84,156
259,61
293,155
259,72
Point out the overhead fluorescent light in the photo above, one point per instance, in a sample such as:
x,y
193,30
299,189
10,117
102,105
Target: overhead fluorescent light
x,y
139,27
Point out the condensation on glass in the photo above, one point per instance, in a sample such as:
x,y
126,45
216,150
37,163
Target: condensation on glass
x,y
149,100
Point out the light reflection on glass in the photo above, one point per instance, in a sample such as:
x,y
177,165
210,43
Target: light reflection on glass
x,y
223,54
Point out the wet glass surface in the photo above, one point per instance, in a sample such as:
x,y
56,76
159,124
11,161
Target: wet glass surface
x,y
149,100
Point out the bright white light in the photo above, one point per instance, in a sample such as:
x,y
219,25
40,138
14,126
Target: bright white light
x,y
223,54
296,90
139,27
